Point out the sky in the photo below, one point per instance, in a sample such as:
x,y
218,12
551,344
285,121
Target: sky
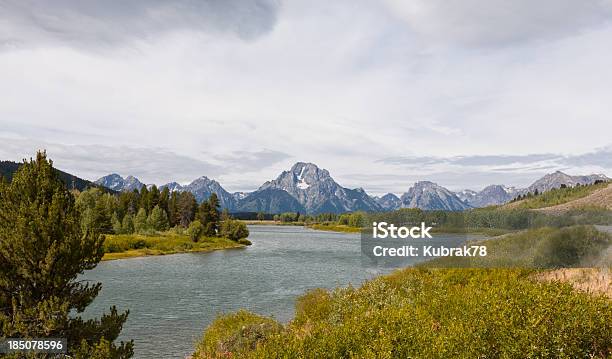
x,y
381,93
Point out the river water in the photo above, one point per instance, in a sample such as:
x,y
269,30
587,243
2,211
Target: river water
x,y
173,298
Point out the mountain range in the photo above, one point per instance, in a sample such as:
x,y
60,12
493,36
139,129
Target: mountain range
x,y
8,168
306,188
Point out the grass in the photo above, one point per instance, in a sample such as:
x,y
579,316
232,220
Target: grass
x,y
138,245
427,313
543,247
590,280
335,227
349,229
559,196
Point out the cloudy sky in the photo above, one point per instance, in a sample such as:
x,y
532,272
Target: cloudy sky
x,y
381,93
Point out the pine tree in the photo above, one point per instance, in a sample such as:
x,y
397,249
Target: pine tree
x,y
117,229
127,225
42,251
212,227
203,214
153,196
158,220
140,221
145,199
164,198
173,216
186,208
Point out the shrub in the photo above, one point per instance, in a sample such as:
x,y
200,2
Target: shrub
x,y
195,230
233,229
235,334
439,313
244,241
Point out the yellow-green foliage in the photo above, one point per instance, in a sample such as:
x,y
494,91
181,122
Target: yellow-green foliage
x,y
438,313
235,334
136,245
544,247
335,227
560,195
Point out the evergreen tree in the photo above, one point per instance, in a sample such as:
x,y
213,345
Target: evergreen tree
x,y
145,200
261,216
140,221
186,208
43,249
225,214
127,225
164,198
173,214
204,214
117,228
153,196
212,227
158,220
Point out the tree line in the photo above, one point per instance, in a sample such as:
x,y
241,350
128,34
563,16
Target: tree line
x,y
150,210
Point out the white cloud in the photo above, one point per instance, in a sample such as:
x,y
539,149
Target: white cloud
x,y
500,22
340,83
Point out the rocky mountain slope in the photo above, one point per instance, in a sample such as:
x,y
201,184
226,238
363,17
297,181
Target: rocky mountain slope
x,y
307,188
556,179
490,196
270,200
118,183
317,192
389,202
499,194
430,196
203,187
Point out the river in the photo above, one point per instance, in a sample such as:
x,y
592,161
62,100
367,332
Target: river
x,y
173,298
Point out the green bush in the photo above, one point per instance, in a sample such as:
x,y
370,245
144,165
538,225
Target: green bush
x,y
195,230
235,334
546,247
434,313
233,229
137,243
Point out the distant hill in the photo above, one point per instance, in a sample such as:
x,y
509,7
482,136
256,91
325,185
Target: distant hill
x,y
8,168
601,197
596,194
557,179
499,194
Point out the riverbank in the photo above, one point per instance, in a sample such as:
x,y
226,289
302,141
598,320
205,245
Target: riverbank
x,y
332,227
491,232
448,312
136,245
431,313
